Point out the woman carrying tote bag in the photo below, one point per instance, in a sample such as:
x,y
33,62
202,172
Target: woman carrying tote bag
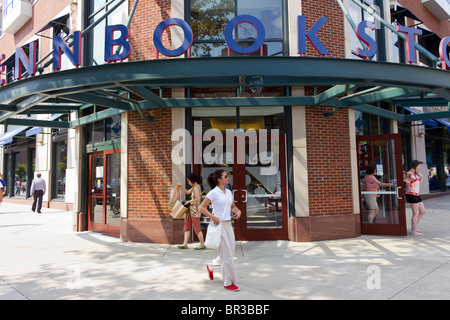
x,y
223,204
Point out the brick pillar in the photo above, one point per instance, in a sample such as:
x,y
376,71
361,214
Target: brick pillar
x,y
150,180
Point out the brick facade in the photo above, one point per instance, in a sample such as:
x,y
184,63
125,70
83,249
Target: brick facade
x,y
328,143
329,172
332,32
441,28
149,164
42,14
150,180
328,146
148,15
149,144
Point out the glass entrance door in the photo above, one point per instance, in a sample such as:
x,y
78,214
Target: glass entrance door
x,y
104,192
382,210
260,192
258,185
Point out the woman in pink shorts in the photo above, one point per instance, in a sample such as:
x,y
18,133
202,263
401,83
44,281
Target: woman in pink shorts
x,y
371,183
193,217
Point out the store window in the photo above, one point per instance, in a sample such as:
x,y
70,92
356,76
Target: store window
x,y
19,163
59,163
438,161
8,6
238,117
208,19
447,164
366,124
101,131
20,179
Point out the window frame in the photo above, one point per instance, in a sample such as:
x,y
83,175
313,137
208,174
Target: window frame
x,y
284,29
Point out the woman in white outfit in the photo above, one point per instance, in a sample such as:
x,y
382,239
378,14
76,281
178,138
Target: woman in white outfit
x,y
223,204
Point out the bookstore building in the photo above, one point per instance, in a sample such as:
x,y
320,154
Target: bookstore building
x,y
114,102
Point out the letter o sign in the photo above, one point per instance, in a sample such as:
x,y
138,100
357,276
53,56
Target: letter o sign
x,y
187,42
260,34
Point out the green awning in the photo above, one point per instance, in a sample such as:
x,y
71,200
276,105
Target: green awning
x,y
348,83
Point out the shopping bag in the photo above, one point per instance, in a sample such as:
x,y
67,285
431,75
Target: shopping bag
x,y
174,197
213,235
214,231
178,210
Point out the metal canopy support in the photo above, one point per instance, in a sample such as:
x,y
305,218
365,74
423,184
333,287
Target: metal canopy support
x,y
39,123
98,100
332,93
148,95
7,107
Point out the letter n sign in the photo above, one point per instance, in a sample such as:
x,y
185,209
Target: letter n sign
x,y
59,46
28,62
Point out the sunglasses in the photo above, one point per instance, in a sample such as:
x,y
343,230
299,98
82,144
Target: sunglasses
x,y
227,175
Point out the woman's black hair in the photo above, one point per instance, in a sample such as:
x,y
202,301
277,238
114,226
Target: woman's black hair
x,y
213,177
370,169
193,178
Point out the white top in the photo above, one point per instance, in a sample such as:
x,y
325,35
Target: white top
x,y
219,199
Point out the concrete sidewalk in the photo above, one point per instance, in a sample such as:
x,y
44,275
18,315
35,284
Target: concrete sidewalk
x,y
42,258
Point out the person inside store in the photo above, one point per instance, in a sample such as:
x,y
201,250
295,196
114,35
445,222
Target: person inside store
x,y
371,183
413,180
194,214
222,202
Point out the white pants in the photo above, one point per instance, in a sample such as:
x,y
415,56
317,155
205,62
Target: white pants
x,y
226,254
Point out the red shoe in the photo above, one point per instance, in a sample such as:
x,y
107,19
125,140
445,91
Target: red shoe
x,y
232,287
210,274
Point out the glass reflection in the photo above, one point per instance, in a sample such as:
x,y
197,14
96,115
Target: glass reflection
x,y
208,19
113,189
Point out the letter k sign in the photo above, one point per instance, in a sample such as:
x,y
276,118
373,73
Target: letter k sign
x,y
311,35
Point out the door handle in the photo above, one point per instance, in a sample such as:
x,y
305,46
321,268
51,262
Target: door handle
x,y
398,197
233,195
244,201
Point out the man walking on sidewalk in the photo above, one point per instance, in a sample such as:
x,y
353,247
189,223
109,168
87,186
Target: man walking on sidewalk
x,y
37,191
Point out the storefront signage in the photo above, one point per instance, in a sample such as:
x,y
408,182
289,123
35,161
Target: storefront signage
x,y
112,42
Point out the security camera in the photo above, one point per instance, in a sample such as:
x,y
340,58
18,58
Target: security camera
x,y
256,85
256,90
